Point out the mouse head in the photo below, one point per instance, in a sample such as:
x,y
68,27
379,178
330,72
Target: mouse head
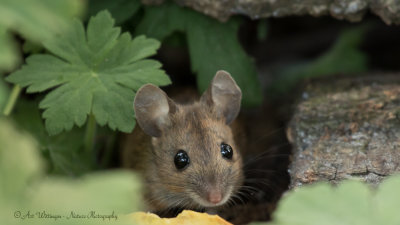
x,y
195,159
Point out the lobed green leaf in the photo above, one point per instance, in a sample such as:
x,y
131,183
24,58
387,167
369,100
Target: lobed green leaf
x,y
94,71
64,150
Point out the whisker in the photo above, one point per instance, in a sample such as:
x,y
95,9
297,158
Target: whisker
x,y
260,171
239,198
267,154
265,185
262,137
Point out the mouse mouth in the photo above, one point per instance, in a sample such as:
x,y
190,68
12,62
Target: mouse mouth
x,y
212,197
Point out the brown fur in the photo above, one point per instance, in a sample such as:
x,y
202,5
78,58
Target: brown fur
x,y
198,129
198,133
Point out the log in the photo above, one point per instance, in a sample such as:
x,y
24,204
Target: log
x,y
346,129
352,10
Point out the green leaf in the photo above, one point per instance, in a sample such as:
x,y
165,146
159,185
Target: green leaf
x,y
35,20
97,71
343,57
24,189
387,201
108,193
30,47
3,93
121,10
222,51
9,56
351,203
38,20
161,21
64,151
16,149
212,45
262,30
321,204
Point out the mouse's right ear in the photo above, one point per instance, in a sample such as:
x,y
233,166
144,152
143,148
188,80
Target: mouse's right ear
x,y
224,96
152,109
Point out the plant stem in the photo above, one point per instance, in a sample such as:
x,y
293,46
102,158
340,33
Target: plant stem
x,y
90,134
12,99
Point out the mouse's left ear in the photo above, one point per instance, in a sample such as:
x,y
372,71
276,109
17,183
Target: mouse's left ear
x,y
153,109
224,96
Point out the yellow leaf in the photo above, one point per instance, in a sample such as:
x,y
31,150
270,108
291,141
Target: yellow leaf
x,y
186,217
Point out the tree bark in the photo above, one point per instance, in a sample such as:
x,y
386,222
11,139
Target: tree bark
x,y
346,129
352,10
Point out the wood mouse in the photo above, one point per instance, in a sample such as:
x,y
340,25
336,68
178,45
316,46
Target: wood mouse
x,y
186,153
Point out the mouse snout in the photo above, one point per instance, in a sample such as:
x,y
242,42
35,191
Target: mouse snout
x,y
211,191
214,196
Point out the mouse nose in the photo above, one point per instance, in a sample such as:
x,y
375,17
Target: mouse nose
x,y
214,196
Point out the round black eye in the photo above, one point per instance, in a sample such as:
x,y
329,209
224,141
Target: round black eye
x,y
181,159
226,151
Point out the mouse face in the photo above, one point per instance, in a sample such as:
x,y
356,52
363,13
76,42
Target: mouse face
x,y
197,158
195,161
